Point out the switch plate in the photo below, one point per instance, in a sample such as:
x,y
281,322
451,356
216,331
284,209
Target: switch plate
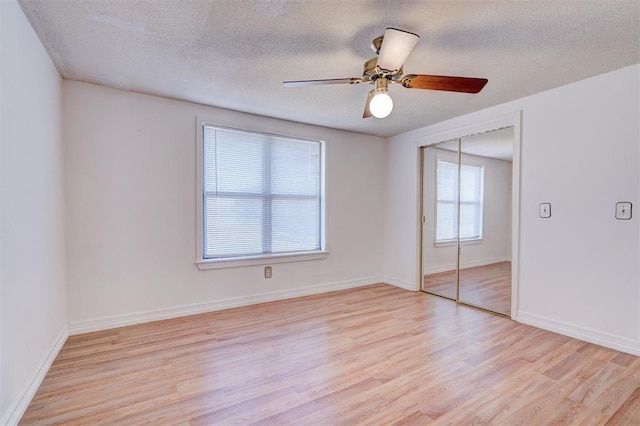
x,y
545,210
268,272
623,210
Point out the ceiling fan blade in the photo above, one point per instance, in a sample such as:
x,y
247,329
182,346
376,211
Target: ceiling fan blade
x,y
367,111
396,46
439,82
298,83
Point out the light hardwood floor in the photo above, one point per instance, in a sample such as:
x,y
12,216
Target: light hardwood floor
x,y
375,355
487,286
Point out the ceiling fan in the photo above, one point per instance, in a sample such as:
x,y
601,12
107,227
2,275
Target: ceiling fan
x,y
392,49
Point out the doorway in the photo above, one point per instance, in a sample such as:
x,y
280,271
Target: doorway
x,y
467,225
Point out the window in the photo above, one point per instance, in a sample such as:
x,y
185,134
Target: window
x,y
471,199
261,194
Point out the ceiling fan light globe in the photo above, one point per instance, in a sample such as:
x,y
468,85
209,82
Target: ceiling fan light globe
x,y
381,105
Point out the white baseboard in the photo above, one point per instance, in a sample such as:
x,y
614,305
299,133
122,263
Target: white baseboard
x,y
452,266
484,262
20,403
105,323
436,269
601,338
406,285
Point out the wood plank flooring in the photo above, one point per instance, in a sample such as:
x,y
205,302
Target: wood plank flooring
x,y
487,286
375,355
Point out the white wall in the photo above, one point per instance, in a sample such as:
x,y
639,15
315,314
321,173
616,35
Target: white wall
x,y
402,210
495,245
580,151
32,245
131,197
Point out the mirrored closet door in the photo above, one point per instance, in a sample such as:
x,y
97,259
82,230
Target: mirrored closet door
x,y
440,236
466,219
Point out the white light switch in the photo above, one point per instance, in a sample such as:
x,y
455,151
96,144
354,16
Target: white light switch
x,y
623,211
545,210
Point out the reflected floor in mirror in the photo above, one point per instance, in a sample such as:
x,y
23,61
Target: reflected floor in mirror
x,y
487,286
441,284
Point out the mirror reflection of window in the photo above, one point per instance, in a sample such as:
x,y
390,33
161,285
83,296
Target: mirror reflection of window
x,y
471,201
446,199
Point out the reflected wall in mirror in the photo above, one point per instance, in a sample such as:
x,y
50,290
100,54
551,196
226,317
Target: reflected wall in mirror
x,y
486,169
440,219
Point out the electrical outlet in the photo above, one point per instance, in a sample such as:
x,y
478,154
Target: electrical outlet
x,y
268,272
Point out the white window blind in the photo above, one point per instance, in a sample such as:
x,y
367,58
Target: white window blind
x,y
261,194
471,194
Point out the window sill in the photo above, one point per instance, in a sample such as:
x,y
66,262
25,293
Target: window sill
x,y
462,243
269,259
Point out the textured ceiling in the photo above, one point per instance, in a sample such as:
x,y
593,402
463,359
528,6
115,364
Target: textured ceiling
x,y
235,53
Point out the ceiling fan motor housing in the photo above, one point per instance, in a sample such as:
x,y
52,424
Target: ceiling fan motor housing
x,y
370,70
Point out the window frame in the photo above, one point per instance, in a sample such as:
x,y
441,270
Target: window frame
x,y
459,203
260,259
